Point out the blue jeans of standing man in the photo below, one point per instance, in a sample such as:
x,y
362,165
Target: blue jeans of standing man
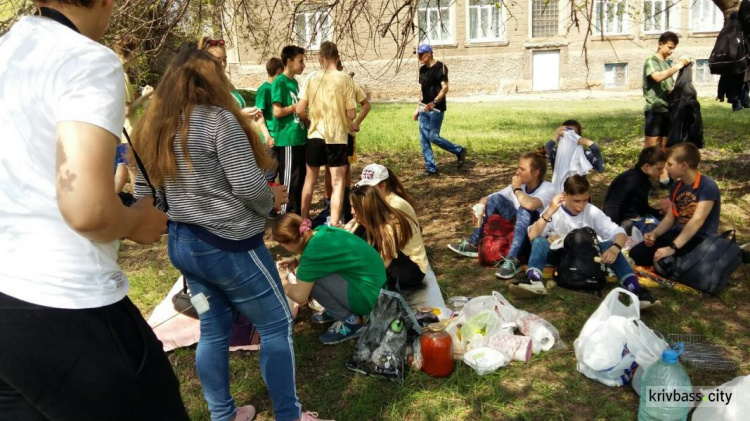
x,y
498,204
247,282
541,255
430,123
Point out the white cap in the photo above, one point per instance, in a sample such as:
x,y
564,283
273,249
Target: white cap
x,y
373,174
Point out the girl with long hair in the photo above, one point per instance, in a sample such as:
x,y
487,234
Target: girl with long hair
x,y
522,201
336,268
207,164
394,234
389,186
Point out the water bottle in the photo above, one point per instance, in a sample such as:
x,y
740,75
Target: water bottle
x,y
663,381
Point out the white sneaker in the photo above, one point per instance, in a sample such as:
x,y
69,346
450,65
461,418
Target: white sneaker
x,y
311,416
245,413
528,288
315,306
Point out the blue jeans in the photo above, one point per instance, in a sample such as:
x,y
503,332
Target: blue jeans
x,y
541,255
247,282
500,205
429,131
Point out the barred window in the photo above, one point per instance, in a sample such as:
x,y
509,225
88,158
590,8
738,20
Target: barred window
x,y
615,75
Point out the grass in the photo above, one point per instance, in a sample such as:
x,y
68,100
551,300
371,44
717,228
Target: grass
x,y
549,387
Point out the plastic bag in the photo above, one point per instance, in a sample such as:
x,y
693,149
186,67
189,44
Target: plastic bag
x,y
601,348
644,343
388,340
476,329
485,360
737,408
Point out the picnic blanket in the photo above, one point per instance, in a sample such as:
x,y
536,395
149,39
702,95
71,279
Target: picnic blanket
x,y
428,295
647,277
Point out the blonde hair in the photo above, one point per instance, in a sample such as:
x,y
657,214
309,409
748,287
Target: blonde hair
x,y
376,216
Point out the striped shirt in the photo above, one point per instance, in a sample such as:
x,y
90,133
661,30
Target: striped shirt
x,y
224,192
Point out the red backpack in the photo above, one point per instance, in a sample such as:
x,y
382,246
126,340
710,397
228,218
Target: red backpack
x,y
497,237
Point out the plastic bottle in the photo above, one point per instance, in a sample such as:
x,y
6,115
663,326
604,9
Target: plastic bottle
x,y
437,351
666,375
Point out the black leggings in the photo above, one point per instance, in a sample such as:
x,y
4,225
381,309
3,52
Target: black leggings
x,y
644,256
403,273
93,364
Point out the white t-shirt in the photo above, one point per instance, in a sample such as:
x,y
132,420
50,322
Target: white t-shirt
x,y
51,74
544,192
591,216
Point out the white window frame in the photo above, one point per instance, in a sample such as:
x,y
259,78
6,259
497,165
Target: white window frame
x,y
320,16
615,78
668,19
484,8
697,25
619,17
531,21
442,8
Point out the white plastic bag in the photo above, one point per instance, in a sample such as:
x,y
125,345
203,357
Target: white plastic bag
x,y
485,360
738,407
601,348
644,344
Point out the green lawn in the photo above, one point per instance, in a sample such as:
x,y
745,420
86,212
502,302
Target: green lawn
x,y
549,387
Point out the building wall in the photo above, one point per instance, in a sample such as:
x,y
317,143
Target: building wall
x,y
499,67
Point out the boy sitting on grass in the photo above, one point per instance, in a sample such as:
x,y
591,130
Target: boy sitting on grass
x,y
568,211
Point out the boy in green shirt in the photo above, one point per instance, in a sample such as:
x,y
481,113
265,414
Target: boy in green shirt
x,y
657,84
291,132
264,103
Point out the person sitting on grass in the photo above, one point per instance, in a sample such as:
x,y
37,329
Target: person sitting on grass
x,y
694,216
626,202
390,188
393,233
526,196
336,268
592,152
566,212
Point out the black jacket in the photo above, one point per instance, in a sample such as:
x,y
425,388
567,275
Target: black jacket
x,y
627,196
685,111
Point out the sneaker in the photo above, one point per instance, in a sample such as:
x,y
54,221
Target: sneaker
x,y
340,332
461,158
528,288
322,317
310,416
246,413
646,299
465,248
315,306
509,268
737,106
429,174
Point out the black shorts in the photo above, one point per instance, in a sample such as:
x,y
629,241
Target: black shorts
x,y
349,145
657,124
319,154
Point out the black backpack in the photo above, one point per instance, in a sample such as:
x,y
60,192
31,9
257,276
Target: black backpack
x,y
580,266
707,267
730,53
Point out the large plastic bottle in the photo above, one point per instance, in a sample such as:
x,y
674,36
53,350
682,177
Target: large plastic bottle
x,y
666,375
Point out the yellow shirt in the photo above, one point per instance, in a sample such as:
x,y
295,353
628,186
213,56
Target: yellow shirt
x,y
329,94
397,202
414,249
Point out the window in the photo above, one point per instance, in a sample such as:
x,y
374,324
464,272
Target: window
x,y
660,16
312,26
705,16
543,18
615,75
435,20
702,73
611,17
486,21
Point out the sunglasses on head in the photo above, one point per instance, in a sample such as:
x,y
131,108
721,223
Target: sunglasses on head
x,y
213,42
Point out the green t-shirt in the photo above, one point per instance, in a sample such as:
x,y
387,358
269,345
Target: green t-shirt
x,y
656,93
333,250
265,104
238,99
289,129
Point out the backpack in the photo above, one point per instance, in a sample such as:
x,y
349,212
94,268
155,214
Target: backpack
x,y
497,237
580,268
730,53
707,267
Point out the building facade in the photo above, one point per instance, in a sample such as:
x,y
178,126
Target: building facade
x,y
505,48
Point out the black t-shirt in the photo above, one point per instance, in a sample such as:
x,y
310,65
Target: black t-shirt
x,y
431,78
685,198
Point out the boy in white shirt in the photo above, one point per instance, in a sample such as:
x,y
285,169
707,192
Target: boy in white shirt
x,y
568,211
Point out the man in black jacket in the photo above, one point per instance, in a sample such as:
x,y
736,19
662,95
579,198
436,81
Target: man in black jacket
x,y
626,202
